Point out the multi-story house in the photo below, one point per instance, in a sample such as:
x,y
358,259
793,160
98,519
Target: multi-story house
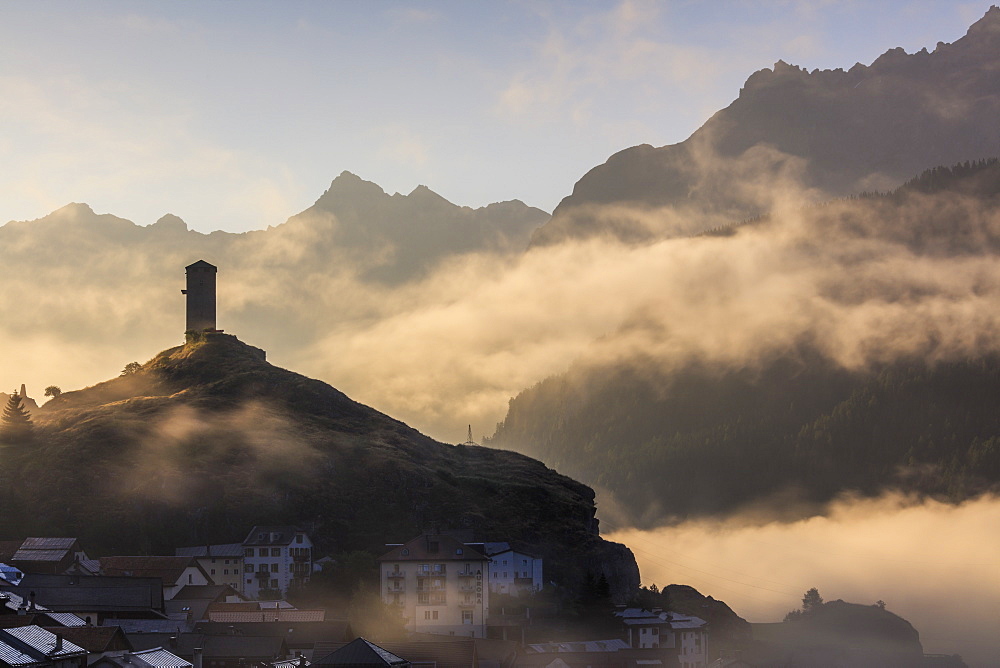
x,y
439,585
513,571
274,560
683,635
223,563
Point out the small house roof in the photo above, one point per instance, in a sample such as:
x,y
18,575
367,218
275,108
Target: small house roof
x,y
201,263
224,551
168,569
271,535
361,652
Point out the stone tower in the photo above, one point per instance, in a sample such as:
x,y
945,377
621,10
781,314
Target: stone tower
x,y
200,296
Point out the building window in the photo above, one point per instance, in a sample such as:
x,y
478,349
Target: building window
x,y
190,578
225,571
249,581
275,551
262,552
274,568
212,572
236,571
248,552
467,616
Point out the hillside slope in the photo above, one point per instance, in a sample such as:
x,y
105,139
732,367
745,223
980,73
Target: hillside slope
x,y
830,132
805,417
209,439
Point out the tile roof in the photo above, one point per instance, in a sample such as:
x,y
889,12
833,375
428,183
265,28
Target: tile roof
x,y
168,569
429,547
298,635
93,593
450,653
226,550
264,648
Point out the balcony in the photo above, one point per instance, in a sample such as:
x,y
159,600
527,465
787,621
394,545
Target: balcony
x,y
467,603
300,557
438,571
262,575
395,590
423,588
467,587
466,574
432,599
395,574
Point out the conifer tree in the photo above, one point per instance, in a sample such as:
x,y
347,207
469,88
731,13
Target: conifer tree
x,y
15,424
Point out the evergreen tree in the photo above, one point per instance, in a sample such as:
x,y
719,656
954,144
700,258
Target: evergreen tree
x,y
15,424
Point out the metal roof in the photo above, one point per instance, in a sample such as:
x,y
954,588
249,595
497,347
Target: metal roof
x,y
40,555
15,657
161,658
612,645
43,641
66,619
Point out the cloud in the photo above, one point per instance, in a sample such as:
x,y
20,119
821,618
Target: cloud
x,y
934,564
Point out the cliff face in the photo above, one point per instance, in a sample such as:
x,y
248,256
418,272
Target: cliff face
x,y
209,438
829,132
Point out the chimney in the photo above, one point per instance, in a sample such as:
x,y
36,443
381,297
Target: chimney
x,y
197,661
173,642
31,601
58,647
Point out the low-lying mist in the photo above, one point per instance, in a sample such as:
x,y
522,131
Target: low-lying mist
x,y
936,565
862,282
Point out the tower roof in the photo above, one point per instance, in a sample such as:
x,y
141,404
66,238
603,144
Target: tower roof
x,y
201,263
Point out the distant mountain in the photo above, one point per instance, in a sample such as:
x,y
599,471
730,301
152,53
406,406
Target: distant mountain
x,y
409,233
208,439
831,132
793,426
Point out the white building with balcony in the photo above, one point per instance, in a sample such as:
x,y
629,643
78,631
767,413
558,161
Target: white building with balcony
x,y
514,572
275,558
439,584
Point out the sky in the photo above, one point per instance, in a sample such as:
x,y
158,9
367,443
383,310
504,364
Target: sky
x,y
236,115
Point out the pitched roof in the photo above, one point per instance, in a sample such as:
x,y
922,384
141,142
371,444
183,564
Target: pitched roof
x,y
263,648
158,657
299,635
360,652
430,547
94,638
272,615
226,550
612,645
49,544
206,592
92,593
8,548
201,263
40,641
446,653
168,569
271,535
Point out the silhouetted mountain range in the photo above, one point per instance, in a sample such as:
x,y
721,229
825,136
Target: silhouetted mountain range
x,y
208,439
829,133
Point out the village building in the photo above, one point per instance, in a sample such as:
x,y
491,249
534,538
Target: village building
x,y
685,635
514,572
439,585
47,555
175,572
223,563
275,559
156,657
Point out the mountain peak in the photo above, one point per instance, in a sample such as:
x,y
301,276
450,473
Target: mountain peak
x,y
170,222
349,186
